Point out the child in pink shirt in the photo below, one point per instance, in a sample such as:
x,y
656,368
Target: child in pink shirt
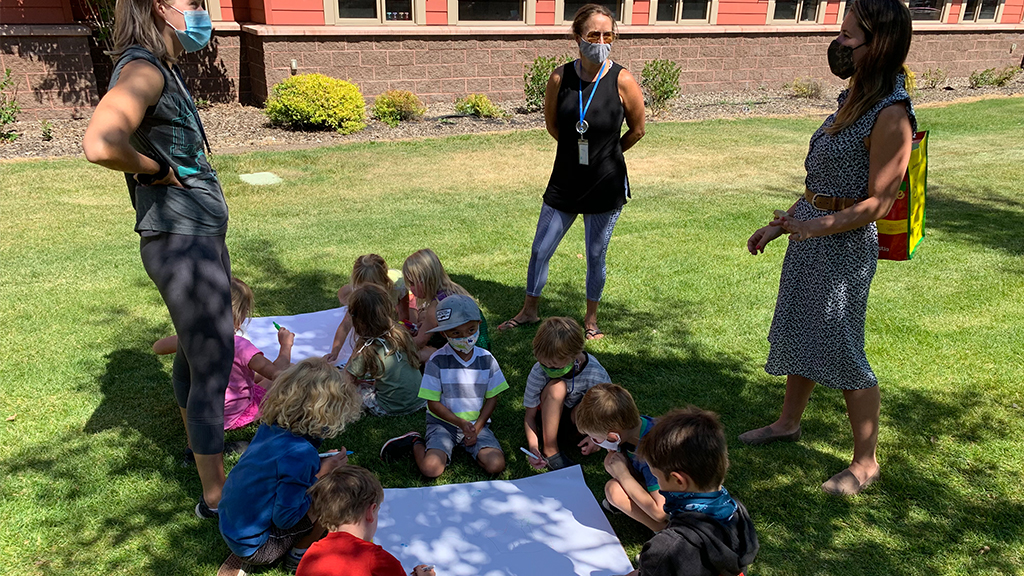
x,y
243,394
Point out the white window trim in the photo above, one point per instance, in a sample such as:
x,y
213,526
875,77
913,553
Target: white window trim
x,y
998,16
819,16
331,18
678,21
529,9
213,7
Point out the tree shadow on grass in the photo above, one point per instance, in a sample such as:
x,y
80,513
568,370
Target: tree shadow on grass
x,y
988,219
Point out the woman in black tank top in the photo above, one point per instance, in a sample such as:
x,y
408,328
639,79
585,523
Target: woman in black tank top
x,y
147,127
584,107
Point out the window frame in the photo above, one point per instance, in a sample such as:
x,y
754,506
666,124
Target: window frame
x,y
943,15
331,18
625,12
678,21
995,20
819,16
529,10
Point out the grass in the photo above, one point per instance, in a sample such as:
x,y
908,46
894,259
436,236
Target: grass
x,y
89,465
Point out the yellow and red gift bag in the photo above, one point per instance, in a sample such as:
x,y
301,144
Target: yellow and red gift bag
x,y
902,229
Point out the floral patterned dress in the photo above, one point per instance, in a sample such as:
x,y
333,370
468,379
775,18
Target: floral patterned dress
x,y
818,328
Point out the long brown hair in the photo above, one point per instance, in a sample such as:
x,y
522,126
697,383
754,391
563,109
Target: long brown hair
x,y
887,31
372,312
135,23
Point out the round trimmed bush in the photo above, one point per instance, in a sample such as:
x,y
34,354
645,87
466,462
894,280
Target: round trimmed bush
x,y
394,106
317,101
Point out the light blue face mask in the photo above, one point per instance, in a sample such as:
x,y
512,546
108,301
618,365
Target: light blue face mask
x,y
198,29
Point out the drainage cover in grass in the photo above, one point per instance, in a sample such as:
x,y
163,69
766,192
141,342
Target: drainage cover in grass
x,y
261,178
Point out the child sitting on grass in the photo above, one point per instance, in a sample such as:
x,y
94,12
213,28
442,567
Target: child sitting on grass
x,y
556,384
367,269
430,284
386,362
347,502
243,395
709,532
461,382
264,513
610,419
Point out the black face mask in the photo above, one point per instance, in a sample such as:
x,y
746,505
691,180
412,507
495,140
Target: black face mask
x,y
840,59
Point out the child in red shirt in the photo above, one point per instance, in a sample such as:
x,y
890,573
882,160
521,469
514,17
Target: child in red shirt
x,y
347,502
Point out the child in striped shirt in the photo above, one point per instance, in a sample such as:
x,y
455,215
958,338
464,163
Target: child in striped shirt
x,y
461,382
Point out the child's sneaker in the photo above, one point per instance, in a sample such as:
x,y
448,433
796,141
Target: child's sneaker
x,y
609,508
234,566
290,562
205,512
399,447
559,461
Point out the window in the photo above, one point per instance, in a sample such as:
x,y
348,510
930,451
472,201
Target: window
x,y
684,11
375,10
980,11
795,11
571,6
926,10
492,10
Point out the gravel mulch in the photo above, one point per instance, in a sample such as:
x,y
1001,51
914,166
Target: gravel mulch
x,y
233,128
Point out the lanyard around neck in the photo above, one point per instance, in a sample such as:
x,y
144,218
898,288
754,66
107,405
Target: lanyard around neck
x,y
582,125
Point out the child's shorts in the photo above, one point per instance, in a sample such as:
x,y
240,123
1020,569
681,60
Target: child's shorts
x,y
369,394
252,413
445,437
279,542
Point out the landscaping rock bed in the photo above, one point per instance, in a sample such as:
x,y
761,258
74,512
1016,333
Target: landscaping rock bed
x,y
233,128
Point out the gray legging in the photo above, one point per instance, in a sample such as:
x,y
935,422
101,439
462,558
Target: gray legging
x,y
193,275
551,227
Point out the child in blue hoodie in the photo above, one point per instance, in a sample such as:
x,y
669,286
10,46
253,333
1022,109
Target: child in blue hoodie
x,y
264,512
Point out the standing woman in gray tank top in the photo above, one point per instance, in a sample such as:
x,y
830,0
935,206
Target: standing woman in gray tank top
x,y
147,126
585,104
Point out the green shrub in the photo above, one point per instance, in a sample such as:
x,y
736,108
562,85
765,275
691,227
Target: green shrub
x,y
46,128
932,78
993,77
394,106
478,105
9,107
910,82
317,101
804,88
660,81
535,80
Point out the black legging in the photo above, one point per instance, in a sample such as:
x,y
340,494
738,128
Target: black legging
x,y
193,275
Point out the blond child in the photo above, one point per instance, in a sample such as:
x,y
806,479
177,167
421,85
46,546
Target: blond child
x,y
264,512
610,419
709,532
347,502
461,382
243,394
429,283
386,362
555,386
367,269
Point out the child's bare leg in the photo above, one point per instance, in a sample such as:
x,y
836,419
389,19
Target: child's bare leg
x,y
430,462
551,399
491,460
426,352
617,497
315,534
211,474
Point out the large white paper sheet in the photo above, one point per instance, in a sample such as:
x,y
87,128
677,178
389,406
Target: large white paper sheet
x,y
314,334
544,525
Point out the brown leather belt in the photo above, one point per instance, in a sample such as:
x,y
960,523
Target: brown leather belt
x,y
829,203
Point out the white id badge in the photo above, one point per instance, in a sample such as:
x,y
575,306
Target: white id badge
x,y
584,153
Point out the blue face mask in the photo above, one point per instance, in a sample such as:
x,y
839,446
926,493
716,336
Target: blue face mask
x,y
198,29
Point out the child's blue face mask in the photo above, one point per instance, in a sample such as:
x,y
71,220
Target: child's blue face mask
x,y
198,29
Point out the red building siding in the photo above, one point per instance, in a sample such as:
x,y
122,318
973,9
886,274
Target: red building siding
x,y
545,12
36,12
641,12
954,12
742,12
831,13
1013,12
437,12
235,10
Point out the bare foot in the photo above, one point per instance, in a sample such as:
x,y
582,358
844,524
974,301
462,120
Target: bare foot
x,y
516,322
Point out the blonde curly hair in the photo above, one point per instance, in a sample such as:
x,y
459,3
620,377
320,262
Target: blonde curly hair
x,y
311,399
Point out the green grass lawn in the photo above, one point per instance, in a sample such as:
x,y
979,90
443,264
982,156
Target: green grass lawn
x,y
91,482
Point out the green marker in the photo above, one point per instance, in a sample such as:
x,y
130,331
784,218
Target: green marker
x,y
276,325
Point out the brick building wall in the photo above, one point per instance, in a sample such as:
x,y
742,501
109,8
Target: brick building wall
x,y
441,67
51,68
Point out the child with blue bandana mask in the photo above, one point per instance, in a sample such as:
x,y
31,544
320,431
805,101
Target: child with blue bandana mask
x,y
555,386
461,382
709,532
